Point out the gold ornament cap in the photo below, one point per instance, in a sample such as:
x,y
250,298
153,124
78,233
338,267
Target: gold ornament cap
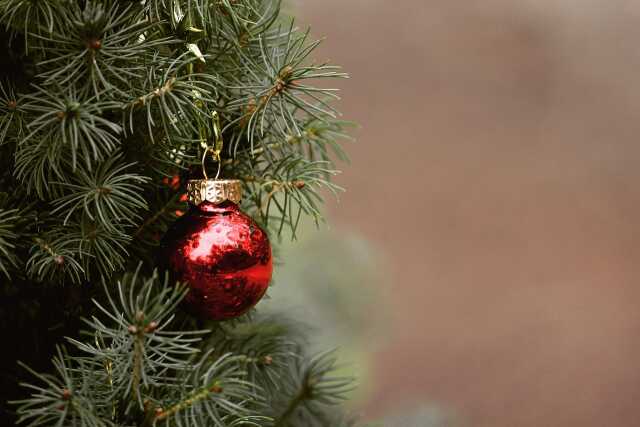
x,y
214,190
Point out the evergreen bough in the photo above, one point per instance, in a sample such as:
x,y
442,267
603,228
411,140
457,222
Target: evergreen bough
x,y
106,109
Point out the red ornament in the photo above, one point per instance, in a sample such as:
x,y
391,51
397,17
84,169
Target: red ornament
x,y
219,252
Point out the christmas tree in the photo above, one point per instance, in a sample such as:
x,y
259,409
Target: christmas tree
x,y
107,110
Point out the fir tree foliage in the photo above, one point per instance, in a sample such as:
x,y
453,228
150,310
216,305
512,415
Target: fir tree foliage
x,y
137,369
106,108
8,238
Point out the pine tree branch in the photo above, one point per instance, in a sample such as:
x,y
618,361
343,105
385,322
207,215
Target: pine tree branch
x,y
158,92
312,388
189,401
113,97
8,240
294,403
138,355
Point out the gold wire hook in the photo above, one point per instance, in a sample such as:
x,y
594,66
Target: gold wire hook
x,y
216,150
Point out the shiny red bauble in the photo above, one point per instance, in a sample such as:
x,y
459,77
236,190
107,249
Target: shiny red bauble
x,y
222,255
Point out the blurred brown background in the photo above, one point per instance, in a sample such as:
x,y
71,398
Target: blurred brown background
x,y
497,170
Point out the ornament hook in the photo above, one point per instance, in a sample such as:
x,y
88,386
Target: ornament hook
x,y
216,150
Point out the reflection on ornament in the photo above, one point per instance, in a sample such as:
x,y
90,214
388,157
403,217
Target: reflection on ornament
x,y
223,256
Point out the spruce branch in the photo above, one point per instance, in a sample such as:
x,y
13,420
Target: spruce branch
x,y
291,187
224,23
62,399
109,196
156,93
55,256
136,360
317,140
219,395
38,163
97,46
265,347
29,16
66,120
117,95
311,390
141,349
8,240
171,99
271,90
11,113
103,251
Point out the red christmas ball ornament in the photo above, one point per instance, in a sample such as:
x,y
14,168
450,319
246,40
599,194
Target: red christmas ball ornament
x,y
218,251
